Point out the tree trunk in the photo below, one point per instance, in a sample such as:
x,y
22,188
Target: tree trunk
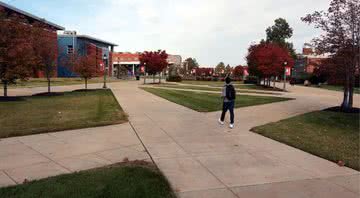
x,y
86,83
348,93
351,91
153,78
144,78
159,78
274,82
118,72
49,83
5,88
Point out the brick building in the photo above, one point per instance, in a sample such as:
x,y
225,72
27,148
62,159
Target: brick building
x,y
307,61
126,63
50,28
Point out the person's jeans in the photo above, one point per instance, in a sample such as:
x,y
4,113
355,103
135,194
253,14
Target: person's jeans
x,y
228,106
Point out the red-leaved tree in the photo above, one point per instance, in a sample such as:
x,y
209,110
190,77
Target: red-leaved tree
x,y
340,25
204,71
238,72
154,62
268,60
17,57
46,51
84,66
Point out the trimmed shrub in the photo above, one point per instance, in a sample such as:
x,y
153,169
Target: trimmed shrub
x,y
251,80
174,79
215,78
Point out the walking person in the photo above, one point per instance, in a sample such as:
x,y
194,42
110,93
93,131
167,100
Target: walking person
x,y
228,95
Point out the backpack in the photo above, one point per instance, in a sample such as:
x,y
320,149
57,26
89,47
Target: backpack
x,y
230,92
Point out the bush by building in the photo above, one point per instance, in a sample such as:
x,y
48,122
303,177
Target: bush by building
x,y
175,78
251,80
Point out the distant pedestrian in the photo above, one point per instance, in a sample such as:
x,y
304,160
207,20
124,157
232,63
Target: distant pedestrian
x,y
228,95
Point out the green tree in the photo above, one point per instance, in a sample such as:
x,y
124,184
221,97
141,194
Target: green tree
x,y
190,64
228,69
279,33
219,68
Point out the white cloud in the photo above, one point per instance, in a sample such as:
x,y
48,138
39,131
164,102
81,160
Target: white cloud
x,y
208,30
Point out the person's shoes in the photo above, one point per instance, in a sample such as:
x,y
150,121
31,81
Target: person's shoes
x,y
220,122
231,126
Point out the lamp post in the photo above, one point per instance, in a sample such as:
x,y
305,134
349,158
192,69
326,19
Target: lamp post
x,y
105,59
144,73
285,64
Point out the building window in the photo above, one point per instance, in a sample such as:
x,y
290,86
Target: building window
x,y
70,49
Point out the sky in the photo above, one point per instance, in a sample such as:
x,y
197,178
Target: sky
x,y
208,30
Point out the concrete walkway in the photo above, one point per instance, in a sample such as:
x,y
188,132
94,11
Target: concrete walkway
x,y
199,157
203,159
39,156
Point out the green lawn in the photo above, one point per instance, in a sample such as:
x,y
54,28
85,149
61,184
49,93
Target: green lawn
x,y
42,82
203,88
125,181
255,87
208,102
330,135
198,82
336,88
238,85
72,110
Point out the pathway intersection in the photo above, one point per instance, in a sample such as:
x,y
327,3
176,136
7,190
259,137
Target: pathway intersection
x,y
199,157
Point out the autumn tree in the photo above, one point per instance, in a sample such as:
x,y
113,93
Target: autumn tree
x,y
154,62
204,71
84,65
279,33
238,71
190,64
341,39
17,57
268,60
45,47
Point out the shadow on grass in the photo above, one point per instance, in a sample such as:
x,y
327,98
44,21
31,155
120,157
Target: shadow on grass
x,y
44,94
89,90
11,98
47,94
338,109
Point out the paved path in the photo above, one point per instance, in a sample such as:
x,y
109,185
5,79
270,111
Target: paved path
x,y
200,158
203,159
38,156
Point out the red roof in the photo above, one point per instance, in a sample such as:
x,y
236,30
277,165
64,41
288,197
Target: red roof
x,y
125,56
